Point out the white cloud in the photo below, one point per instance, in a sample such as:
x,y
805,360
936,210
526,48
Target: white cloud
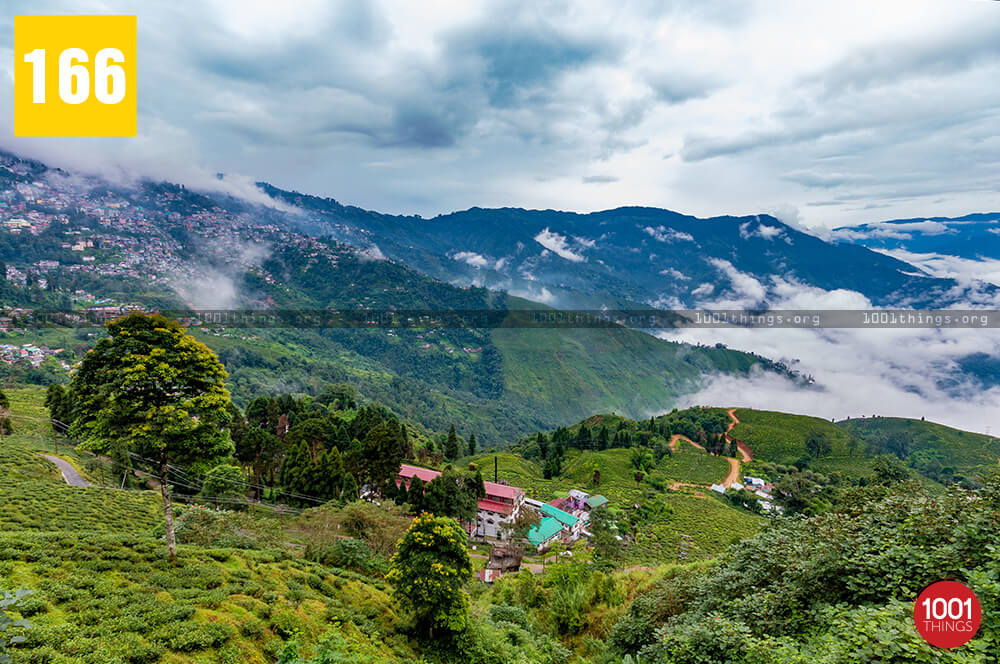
x,y
858,372
372,253
966,271
761,230
674,273
557,244
744,291
432,110
472,258
542,294
897,231
664,234
703,289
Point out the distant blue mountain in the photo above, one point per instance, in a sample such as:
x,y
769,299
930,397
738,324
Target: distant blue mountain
x,y
974,236
626,255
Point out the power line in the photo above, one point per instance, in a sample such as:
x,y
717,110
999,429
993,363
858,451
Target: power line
x,y
189,484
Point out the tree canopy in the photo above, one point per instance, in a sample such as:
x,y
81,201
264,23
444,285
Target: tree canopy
x,y
151,389
429,571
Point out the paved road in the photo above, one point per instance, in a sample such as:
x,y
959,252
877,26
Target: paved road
x,y
68,472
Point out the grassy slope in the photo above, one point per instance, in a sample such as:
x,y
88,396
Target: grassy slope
x,y
780,438
689,464
963,450
571,373
103,592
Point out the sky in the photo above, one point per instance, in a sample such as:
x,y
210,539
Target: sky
x,y
823,114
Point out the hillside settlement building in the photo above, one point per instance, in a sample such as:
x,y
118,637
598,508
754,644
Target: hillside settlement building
x,y
501,505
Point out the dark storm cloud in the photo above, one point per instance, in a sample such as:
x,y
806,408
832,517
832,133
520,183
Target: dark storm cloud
x,y
427,108
520,60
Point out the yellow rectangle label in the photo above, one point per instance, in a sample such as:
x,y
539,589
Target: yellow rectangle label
x,y
75,76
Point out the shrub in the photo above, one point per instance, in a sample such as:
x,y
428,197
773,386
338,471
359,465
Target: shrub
x,y
347,553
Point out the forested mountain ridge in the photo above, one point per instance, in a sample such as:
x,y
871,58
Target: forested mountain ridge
x,y
86,244
629,254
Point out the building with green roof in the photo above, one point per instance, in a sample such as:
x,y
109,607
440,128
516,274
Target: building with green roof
x,y
547,529
565,518
596,501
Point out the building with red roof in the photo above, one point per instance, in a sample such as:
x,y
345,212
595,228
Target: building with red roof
x,y
501,505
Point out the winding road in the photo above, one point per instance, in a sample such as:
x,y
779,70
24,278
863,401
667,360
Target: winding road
x,y
734,464
68,471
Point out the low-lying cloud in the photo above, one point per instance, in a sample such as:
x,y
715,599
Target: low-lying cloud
x,y
558,245
669,235
858,372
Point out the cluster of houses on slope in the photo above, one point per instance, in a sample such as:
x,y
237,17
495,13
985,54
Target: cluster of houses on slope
x,y
29,354
563,519
758,487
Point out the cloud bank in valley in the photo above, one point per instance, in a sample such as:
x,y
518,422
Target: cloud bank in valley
x,y
858,372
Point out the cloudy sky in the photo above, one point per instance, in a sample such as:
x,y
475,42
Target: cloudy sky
x,y
827,113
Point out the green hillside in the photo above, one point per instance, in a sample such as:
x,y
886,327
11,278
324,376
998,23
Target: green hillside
x,y
933,448
780,438
567,374
500,383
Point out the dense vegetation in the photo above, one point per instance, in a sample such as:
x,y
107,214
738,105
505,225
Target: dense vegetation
x,y
833,588
938,452
311,588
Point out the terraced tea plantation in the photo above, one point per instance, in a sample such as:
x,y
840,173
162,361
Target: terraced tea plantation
x,y
104,593
110,599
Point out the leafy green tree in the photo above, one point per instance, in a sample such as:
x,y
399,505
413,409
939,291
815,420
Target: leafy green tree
x,y
383,450
451,444
472,444
225,484
318,475
607,547
436,497
454,494
888,470
150,388
429,571
339,396
553,465
349,488
258,449
602,438
818,445
543,443
60,404
415,494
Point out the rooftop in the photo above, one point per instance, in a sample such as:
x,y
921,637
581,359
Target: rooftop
x,y
425,474
493,490
565,518
546,529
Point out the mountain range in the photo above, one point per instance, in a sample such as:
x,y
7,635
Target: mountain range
x,y
638,256
973,236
